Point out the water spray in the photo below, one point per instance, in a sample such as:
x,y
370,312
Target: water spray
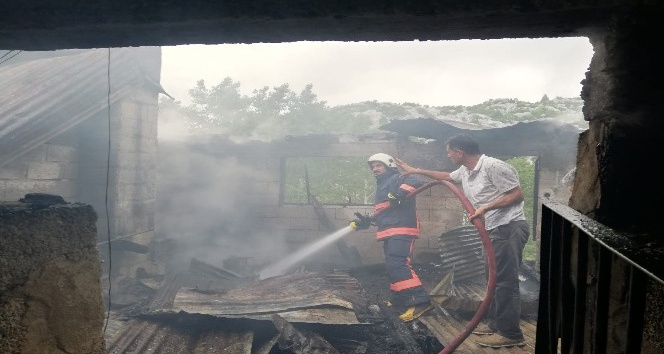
x,y
282,266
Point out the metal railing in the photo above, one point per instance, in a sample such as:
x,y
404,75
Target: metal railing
x,y
593,287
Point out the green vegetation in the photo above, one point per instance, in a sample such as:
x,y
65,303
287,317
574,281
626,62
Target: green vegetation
x,y
332,180
525,166
268,113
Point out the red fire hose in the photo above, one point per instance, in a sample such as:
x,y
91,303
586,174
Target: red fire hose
x,y
491,260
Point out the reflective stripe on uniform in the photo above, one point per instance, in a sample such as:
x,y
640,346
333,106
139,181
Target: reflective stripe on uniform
x,y
406,231
407,187
406,284
381,206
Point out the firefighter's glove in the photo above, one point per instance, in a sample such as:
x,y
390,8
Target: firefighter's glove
x,y
395,201
362,222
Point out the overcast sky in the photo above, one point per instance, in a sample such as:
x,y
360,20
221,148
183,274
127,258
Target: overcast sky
x,y
438,73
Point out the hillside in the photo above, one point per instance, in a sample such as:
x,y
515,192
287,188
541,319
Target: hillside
x,y
494,113
274,114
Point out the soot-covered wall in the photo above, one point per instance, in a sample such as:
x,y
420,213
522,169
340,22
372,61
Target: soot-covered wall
x,y
50,289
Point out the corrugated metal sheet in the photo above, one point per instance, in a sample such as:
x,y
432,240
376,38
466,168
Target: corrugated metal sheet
x,y
188,320
461,251
42,98
145,336
185,320
324,308
299,297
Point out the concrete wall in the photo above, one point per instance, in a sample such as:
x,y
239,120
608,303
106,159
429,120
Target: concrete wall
x,y
131,178
50,168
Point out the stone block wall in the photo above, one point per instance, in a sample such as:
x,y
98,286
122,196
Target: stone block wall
x,y
50,168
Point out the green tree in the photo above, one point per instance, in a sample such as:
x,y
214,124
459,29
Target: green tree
x,y
268,113
219,109
306,114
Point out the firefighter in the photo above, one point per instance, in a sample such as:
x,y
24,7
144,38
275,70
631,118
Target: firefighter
x,y
396,220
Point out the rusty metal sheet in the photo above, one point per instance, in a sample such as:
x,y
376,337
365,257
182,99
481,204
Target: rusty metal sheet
x,y
225,304
144,336
318,315
199,267
301,297
325,310
301,342
466,296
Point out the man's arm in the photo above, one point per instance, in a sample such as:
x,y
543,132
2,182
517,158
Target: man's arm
x,y
513,196
408,170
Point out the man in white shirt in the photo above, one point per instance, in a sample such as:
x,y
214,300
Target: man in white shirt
x,y
492,186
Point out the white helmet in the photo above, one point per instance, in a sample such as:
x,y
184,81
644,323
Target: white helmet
x,y
384,158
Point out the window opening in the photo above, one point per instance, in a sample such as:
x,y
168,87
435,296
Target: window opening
x,y
332,180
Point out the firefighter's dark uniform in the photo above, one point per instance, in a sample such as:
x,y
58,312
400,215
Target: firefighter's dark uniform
x,y
398,227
